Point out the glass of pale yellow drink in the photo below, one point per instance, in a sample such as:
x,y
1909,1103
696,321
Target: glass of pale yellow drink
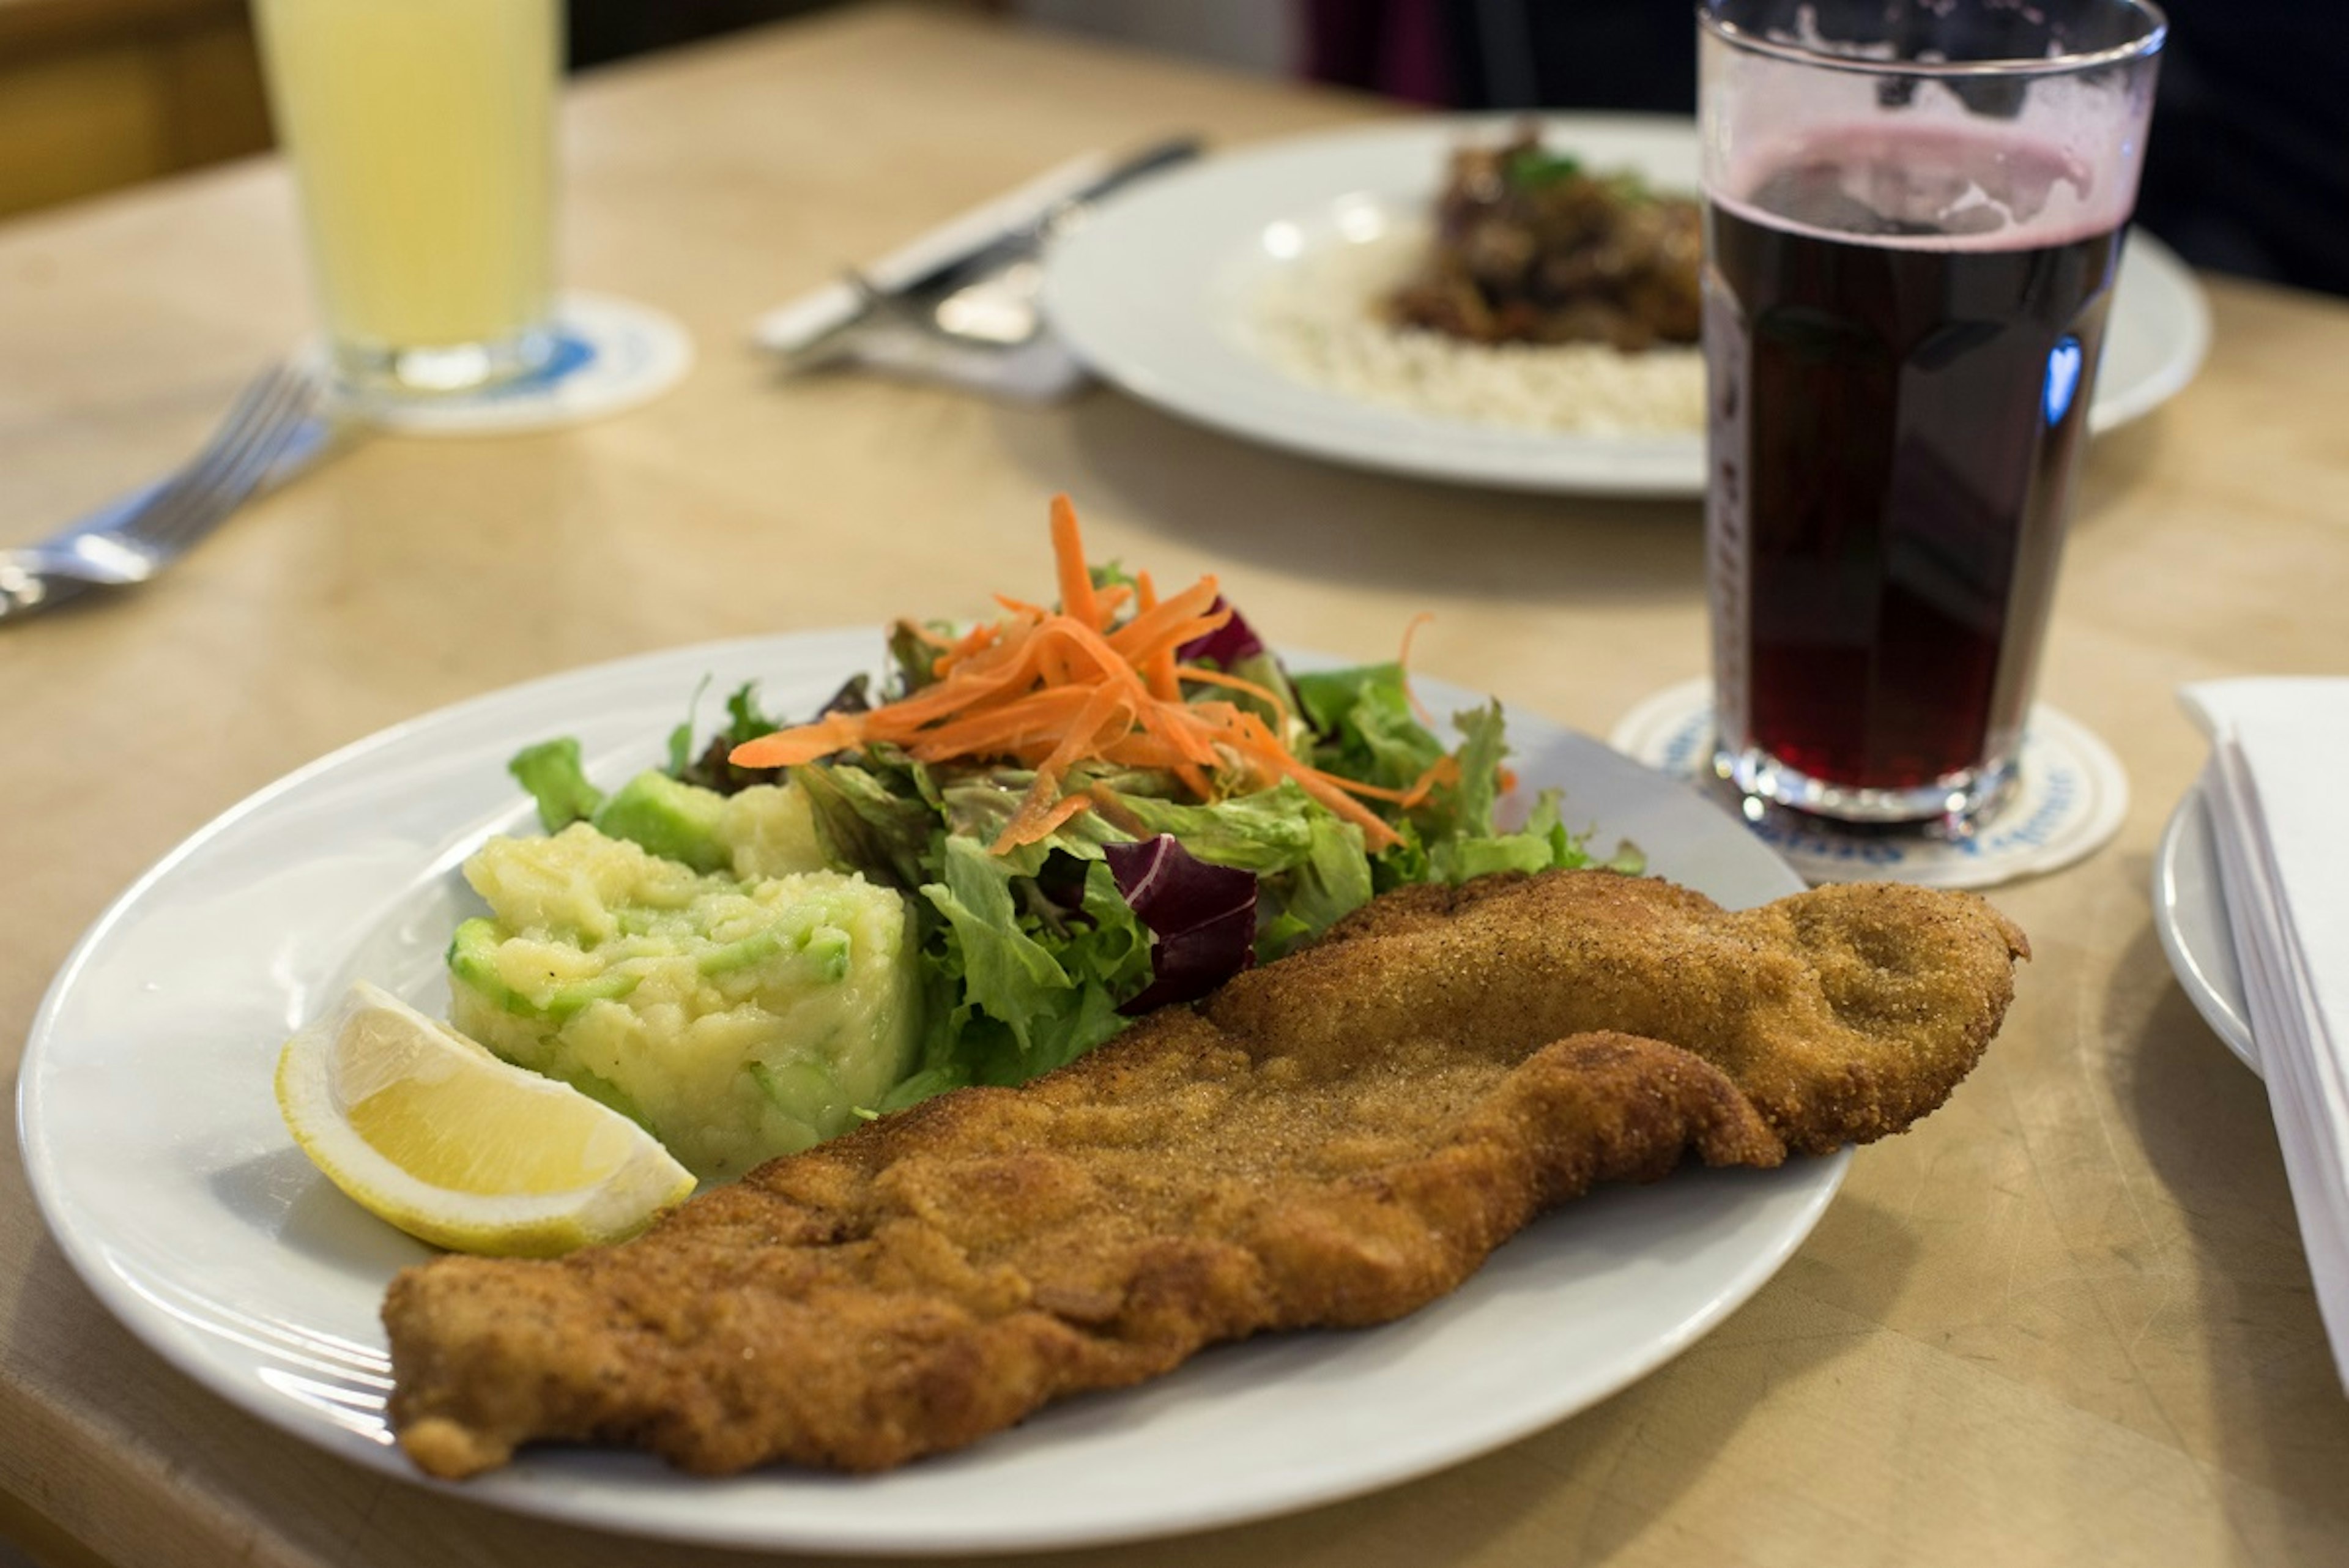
x,y
422,139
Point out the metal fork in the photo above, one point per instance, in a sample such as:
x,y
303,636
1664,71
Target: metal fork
x,y
276,427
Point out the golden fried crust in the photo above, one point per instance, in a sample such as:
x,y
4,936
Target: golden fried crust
x,y
1332,1140
1844,1013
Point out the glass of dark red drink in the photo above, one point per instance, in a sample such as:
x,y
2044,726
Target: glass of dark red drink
x,y
1914,213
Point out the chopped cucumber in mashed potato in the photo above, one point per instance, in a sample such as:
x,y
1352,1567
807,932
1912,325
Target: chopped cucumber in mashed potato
x,y
738,1014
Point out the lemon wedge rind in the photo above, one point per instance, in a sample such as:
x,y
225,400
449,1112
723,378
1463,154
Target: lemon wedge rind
x,y
432,1133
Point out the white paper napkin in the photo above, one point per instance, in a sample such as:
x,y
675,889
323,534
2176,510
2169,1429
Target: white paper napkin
x,y
2279,766
1037,371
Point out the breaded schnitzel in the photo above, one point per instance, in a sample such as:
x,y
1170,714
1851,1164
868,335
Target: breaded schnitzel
x,y
1332,1140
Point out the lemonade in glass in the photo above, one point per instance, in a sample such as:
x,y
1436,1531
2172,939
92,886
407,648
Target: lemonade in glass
x,y
421,134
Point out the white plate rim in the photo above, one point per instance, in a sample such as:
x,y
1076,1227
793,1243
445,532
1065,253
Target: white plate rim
x,y
1217,385
2190,915
604,1491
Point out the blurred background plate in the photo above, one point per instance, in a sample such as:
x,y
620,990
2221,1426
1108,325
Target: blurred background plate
x,y
1161,293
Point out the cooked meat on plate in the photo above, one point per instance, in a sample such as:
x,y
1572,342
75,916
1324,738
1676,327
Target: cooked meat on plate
x,y
1331,1140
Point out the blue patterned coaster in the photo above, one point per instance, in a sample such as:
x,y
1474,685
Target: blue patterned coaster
x,y
609,355
2070,796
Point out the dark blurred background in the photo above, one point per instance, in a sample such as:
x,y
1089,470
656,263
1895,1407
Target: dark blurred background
x,y
2248,170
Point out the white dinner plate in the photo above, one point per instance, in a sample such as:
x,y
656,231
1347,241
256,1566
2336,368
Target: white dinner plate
x,y
1158,291
2189,912
157,1158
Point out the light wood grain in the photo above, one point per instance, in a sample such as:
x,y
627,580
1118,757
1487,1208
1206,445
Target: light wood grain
x,y
2064,1321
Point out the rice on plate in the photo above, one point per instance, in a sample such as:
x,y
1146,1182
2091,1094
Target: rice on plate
x,y
1319,319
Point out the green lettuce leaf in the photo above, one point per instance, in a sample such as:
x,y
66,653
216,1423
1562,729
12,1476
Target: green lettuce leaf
x,y
1106,955
979,804
1034,994
1005,973
1367,729
1268,832
1331,882
1364,726
868,821
1310,866
912,656
1456,823
552,772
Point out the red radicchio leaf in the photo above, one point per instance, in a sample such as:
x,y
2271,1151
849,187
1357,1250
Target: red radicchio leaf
x,y
1202,918
1226,645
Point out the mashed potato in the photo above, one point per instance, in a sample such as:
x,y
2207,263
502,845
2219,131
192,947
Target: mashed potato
x,y
768,830
736,1017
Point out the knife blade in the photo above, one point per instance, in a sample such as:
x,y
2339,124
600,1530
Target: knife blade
x,y
820,327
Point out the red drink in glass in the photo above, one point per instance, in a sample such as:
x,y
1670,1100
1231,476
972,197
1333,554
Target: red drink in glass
x,y
1904,310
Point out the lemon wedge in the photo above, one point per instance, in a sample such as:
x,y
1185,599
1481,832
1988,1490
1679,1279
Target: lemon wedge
x,y
427,1130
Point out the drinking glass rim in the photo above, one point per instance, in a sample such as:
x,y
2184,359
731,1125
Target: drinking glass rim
x,y
2151,42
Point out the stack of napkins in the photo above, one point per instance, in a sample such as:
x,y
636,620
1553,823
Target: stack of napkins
x,y
2278,788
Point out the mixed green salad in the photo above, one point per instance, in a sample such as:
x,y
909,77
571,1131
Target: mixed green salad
x,y
968,867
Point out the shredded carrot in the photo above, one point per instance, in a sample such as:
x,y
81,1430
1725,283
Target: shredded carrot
x,y
1053,689
1327,788
1410,631
1172,624
789,748
979,637
1204,676
1058,817
1107,716
1121,815
1402,661
1076,577
1442,771
1159,668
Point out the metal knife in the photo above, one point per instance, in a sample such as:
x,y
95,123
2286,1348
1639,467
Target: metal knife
x,y
866,299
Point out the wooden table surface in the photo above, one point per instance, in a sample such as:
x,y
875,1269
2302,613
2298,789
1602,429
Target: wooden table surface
x,y
2067,1320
